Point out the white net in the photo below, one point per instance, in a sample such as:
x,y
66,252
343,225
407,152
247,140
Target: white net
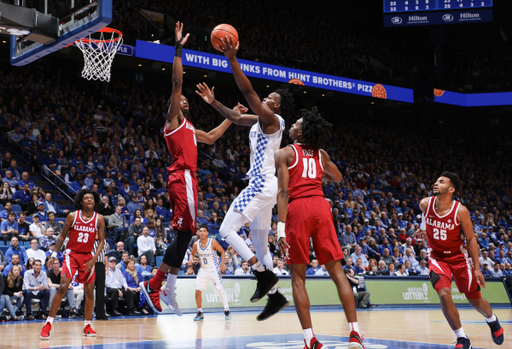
x,y
99,54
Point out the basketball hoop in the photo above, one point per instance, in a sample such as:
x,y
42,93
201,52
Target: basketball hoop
x,y
99,53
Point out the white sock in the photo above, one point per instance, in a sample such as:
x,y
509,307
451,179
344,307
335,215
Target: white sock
x,y
224,298
50,320
87,322
353,326
258,266
491,319
273,290
308,336
460,333
199,310
171,282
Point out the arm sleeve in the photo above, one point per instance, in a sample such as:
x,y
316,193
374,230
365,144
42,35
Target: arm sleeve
x,y
423,225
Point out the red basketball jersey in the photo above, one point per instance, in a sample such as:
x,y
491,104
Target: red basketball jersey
x,y
83,233
443,232
305,173
182,145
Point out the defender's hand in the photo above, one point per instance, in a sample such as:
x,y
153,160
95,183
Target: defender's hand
x,y
206,94
178,32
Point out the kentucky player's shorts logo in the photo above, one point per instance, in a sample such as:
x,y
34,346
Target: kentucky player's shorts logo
x,y
180,221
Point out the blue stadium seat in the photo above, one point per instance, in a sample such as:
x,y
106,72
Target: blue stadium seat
x,y
159,260
16,208
4,249
2,243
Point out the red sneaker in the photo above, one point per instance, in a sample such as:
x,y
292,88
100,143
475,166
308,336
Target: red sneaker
x,y
355,341
88,331
45,332
152,296
315,344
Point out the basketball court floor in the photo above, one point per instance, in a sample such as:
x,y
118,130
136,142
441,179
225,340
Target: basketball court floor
x,y
382,328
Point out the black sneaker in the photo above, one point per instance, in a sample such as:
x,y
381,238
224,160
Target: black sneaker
x,y
266,280
227,314
496,332
275,303
199,316
463,343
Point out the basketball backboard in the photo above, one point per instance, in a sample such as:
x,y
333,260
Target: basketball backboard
x,y
77,19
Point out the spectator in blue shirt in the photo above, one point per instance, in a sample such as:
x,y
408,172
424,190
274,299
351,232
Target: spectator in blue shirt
x,y
163,212
9,227
15,260
348,238
483,241
314,268
16,249
486,271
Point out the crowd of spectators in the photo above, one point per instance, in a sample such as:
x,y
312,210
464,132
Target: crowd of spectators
x,y
339,47
109,138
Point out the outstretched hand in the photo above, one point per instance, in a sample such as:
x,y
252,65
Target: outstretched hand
x,y
206,94
240,108
178,32
228,47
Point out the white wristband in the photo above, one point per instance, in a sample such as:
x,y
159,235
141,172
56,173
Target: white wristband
x,y
54,255
280,230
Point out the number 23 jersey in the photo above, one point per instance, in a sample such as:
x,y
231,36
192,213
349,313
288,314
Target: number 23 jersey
x,y
82,233
443,232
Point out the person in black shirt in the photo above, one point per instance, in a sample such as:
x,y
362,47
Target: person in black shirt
x,y
54,284
361,296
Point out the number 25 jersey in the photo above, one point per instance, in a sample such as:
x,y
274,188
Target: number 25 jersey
x,y
82,233
443,232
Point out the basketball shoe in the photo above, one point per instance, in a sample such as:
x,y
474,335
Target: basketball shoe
x,y
314,344
199,316
266,280
496,332
88,331
45,332
227,314
355,341
275,303
169,298
463,343
152,296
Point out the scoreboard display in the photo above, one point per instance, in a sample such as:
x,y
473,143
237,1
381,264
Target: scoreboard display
x,y
403,13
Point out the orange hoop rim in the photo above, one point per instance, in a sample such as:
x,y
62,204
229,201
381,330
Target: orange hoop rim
x,y
104,30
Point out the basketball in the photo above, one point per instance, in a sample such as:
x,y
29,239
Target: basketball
x,y
219,32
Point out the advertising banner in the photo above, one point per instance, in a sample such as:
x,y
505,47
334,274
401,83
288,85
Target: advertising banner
x,y
208,61
410,291
322,291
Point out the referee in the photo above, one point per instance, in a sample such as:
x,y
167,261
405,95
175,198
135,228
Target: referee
x,y
99,267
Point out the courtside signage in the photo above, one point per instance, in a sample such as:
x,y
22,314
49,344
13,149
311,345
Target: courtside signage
x,y
410,291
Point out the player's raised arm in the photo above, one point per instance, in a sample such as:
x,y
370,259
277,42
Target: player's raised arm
x,y
331,171
264,112
177,74
471,242
235,115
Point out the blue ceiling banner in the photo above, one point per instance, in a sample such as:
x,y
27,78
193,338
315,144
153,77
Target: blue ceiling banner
x,y
473,99
208,61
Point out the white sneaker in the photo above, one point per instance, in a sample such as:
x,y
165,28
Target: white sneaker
x,y
169,298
